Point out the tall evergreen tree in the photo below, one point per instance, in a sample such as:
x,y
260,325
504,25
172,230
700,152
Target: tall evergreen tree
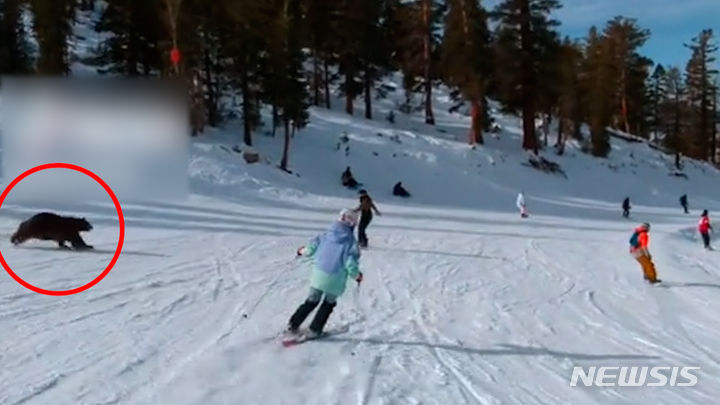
x,y
569,92
629,70
132,46
466,58
700,77
243,53
597,73
524,27
53,27
15,50
419,49
657,97
674,111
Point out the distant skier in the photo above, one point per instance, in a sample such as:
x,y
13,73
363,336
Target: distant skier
x,y
366,208
704,227
348,180
400,191
520,203
684,203
639,250
337,258
626,207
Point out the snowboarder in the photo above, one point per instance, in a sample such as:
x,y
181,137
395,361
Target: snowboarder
x,y
626,207
337,258
684,203
348,180
400,191
639,250
520,203
704,227
366,208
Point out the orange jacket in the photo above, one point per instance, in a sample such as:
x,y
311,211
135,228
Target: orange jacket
x,y
643,240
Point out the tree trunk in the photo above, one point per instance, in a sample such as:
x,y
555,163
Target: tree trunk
x,y
245,87
286,146
316,77
624,104
528,83
476,127
368,94
427,43
713,129
349,92
326,82
211,103
275,119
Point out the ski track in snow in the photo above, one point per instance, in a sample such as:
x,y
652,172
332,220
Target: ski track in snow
x,y
462,302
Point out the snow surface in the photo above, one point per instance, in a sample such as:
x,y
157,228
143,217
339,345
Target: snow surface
x,y
463,302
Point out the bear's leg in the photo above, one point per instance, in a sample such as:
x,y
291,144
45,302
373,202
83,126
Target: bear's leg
x,y
62,245
78,243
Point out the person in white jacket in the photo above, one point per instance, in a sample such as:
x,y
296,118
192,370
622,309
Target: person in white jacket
x,y
521,205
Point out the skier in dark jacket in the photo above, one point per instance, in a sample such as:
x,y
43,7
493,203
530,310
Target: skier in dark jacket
x,y
348,180
626,207
400,191
366,208
684,203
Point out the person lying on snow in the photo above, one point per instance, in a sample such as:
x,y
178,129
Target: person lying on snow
x,y
348,180
337,258
639,250
400,191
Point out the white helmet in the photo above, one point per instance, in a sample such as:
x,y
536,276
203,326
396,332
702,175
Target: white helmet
x,y
349,217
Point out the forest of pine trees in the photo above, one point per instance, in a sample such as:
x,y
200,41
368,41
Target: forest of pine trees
x,y
284,56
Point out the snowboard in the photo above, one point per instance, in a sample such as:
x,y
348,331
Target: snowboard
x,y
290,340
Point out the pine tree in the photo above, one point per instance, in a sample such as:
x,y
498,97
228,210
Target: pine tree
x,y
419,49
15,48
523,32
319,27
657,97
242,54
597,74
700,78
629,70
132,48
674,111
466,58
569,92
53,27
289,73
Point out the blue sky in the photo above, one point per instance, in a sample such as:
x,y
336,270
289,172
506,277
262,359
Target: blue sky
x,y
671,22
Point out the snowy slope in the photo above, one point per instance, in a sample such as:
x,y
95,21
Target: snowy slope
x,y
463,302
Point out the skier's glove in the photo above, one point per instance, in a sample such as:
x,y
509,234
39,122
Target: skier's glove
x,y
359,278
300,251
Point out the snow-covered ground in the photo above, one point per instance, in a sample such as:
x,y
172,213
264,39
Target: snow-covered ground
x,y
463,302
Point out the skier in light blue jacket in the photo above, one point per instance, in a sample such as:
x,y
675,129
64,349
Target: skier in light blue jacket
x,y
337,258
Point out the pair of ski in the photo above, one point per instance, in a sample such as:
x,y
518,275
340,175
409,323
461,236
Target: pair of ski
x,y
302,336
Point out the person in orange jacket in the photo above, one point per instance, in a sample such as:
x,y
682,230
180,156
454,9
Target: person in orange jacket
x,y
639,250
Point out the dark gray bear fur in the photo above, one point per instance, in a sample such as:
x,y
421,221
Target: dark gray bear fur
x,y
49,226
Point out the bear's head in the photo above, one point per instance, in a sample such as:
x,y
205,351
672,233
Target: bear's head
x,y
16,239
82,224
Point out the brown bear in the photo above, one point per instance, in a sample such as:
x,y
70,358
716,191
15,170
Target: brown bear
x,y
49,226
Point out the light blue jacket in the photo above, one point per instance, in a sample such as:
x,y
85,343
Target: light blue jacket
x,y
336,257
